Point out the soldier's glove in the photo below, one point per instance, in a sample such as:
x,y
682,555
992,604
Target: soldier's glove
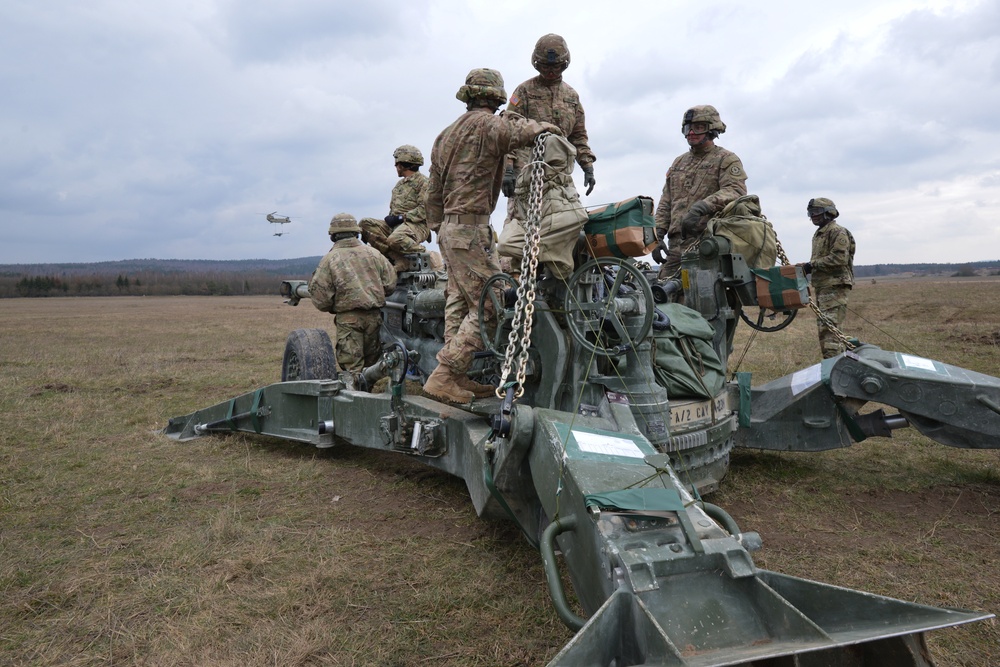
x,y
661,246
393,220
658,253
588,178
691,220
509,181
807,268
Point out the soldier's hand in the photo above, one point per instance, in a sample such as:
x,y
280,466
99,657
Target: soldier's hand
x,y
509,181
549,127
807,267
691,220
588,178
393,220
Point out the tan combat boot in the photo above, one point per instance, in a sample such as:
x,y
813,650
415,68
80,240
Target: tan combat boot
x,y
445,384
477,388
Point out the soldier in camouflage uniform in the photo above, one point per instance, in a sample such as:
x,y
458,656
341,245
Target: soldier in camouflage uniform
x,y
546,98
832,271
405,228
467,164
699,184
351,282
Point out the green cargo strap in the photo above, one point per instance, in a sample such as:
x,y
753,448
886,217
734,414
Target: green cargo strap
x,y
743,380
637,500
495,492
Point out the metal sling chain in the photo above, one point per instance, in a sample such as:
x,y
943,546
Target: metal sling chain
x,y
830,324
516,356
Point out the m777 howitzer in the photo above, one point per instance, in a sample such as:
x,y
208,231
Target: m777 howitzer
x,y
587,451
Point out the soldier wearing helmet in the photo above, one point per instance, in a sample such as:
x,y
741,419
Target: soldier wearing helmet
x,y
467,164
405,228
831,268
547,98
699,183
352,281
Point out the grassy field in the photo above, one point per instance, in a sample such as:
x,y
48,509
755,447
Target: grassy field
x,y
119,546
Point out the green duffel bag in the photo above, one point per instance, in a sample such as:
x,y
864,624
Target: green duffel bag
x,y
623,229
685,363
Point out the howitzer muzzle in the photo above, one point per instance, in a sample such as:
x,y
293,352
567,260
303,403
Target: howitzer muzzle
x,y
662,291
294,290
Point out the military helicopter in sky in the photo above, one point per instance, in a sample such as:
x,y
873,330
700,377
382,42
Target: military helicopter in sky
x,y
278,220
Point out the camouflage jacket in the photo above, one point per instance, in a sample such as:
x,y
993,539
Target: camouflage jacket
x,y
832,256
467,162
714,175
556,103
408,197
351,276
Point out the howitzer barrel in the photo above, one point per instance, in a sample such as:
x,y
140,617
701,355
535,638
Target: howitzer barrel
x,y
294,290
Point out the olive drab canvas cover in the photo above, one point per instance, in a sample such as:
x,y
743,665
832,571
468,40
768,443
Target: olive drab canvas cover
x,y
749,232
685,363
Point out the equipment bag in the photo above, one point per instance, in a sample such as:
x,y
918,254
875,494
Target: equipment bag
x,y
748,231
685,363
623,229
782,287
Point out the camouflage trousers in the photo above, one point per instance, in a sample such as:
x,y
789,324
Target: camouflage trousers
x,y
358,344
466,242
832,302
405,238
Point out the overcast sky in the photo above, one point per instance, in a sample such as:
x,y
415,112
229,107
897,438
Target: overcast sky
x,y
139,129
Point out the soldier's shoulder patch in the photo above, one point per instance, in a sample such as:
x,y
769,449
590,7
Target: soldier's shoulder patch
x,y
736,169
514,99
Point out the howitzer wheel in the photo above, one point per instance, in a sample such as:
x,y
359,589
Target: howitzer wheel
x,y
594,318
788,315
308,355
494,292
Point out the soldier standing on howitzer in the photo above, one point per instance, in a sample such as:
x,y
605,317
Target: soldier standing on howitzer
x,y
467,164
699,184
405,228
831,267
547,98
351,282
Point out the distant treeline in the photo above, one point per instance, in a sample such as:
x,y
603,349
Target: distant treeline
x,y
958,270
165,277
152,277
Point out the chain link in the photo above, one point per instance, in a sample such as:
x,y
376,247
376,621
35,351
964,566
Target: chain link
x,y
830,324
516,357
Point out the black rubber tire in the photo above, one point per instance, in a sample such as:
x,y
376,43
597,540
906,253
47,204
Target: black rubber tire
x,y
308,355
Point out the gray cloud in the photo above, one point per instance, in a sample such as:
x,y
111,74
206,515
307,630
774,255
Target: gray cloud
x,y
152,130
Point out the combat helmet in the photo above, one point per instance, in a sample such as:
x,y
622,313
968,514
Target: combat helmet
x,y
344,223
408,154
703,113
550,49
483,83
822,206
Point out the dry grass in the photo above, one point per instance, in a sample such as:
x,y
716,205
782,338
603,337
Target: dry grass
x,y
119,546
